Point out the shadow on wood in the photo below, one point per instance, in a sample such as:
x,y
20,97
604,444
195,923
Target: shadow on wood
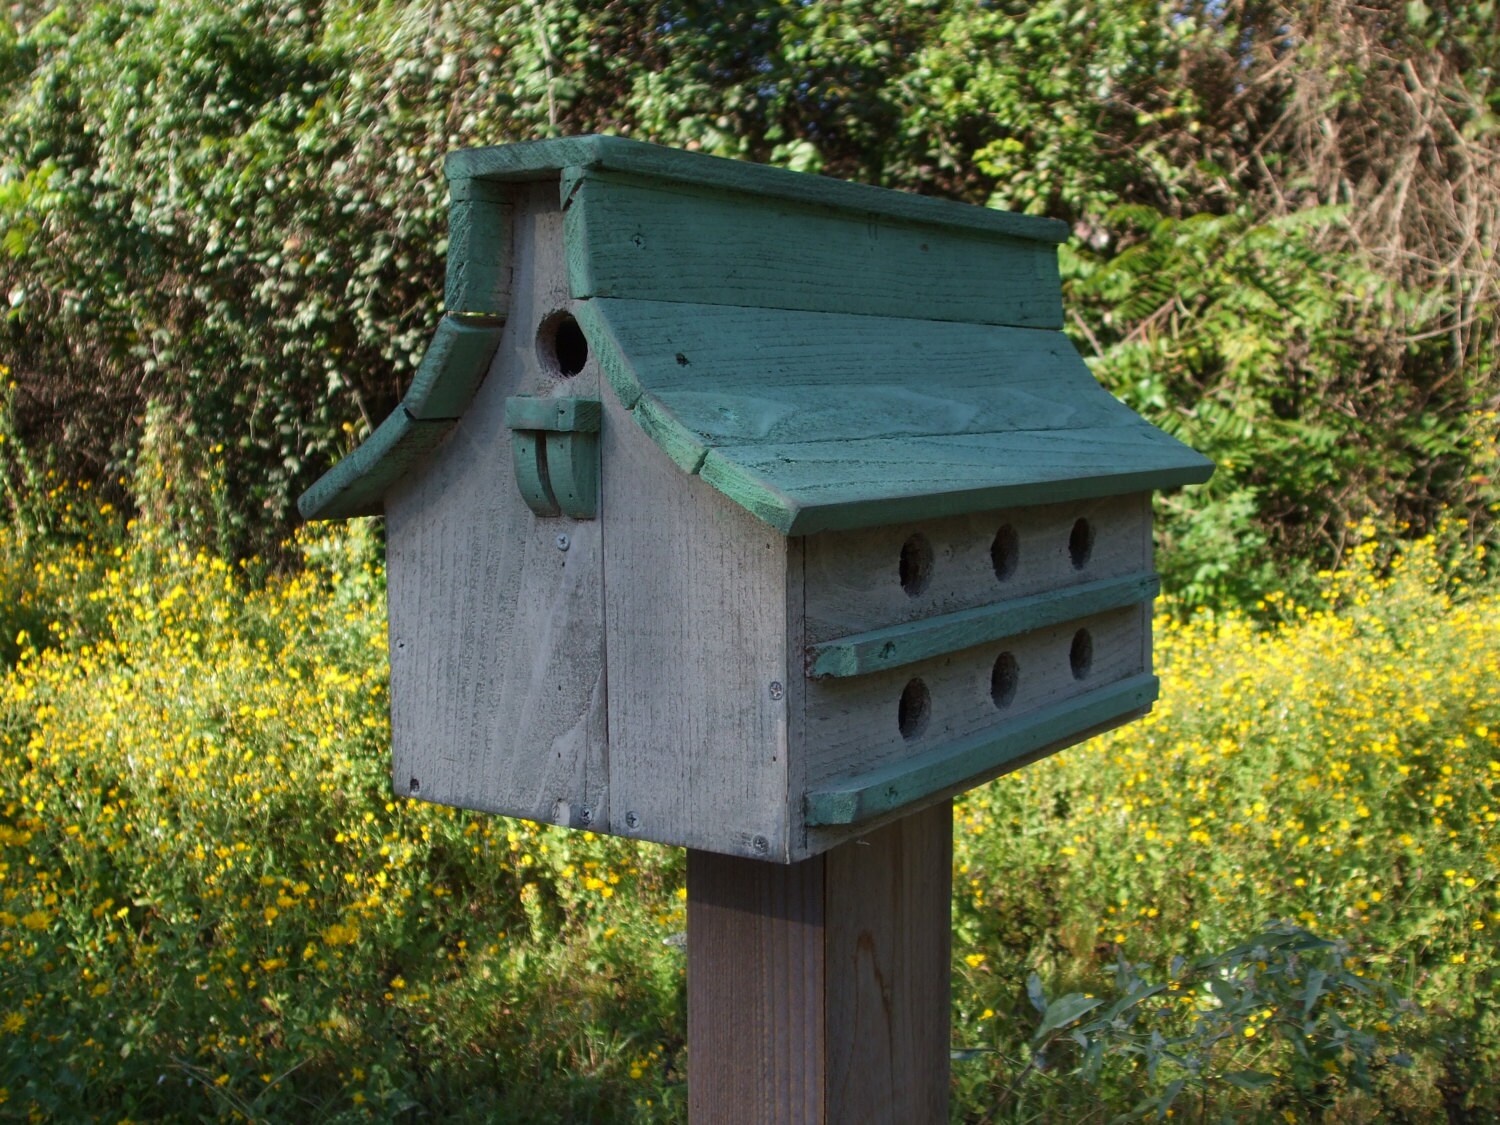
x,y
818,991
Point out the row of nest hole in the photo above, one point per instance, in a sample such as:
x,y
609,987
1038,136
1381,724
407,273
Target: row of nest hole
x,y
1005,555
915,709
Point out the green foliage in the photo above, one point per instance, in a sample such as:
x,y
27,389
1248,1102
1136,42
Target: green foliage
x,y
1338,769
1187,1039
230,217
211,906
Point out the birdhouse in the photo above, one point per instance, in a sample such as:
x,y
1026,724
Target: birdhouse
x,y
747,510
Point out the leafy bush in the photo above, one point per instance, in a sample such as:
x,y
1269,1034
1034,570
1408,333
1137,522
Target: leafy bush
x,y
210,904
1339,769
229,217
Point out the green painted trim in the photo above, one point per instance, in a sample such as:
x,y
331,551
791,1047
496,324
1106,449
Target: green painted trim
x,y
612,357
529,459
561,415
555,449
893,647
479,262
975,759
816,421
795,513
573,470
451,370
357,485
655,240
531,160
686,448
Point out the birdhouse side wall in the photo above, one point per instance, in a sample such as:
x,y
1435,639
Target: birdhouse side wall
x,y
927,638
697,643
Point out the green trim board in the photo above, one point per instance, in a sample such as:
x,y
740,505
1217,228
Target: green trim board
x,y
451,370
969,761
912,641
478,275
819,421
562,415
357,485
535,160
667,241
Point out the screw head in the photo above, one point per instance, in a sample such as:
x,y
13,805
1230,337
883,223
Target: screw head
x,y
777,691
563,542
632,821
414,787
761,845
586,815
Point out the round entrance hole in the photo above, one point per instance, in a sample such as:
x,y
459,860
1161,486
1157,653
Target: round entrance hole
x,y
1081,543
914,709
1081,654
916,565
1005,552
561,345
1003,680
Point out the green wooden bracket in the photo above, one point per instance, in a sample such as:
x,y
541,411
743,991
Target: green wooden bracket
x,y
980,756
555,446
936,636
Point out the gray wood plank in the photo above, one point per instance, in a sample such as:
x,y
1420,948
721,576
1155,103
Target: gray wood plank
x,y
496,638
674,242
853,581
695,598
905,783
853,726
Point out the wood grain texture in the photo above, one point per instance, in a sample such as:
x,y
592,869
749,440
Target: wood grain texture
x,y
889,942
899,645
695,595
452,367
496,635
818,421
655,241
502,163
907,782
818,992
853,582
479,265
805,488
451,370
855,725
573,470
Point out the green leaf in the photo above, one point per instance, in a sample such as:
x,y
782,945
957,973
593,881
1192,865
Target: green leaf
x,y
1063,1011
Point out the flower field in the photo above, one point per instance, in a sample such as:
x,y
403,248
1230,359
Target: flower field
x,y
212,908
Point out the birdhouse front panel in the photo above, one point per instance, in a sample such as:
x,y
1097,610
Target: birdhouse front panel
x,y
745,510
496,611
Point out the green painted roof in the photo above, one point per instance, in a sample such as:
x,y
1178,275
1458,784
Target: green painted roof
x,y
827,355
823,421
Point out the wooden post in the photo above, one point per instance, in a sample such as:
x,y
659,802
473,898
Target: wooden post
x,y
818,992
